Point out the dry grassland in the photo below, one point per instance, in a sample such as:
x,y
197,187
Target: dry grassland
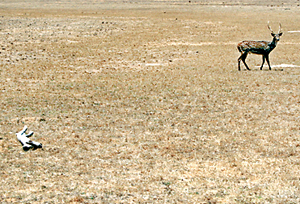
x,y
143,103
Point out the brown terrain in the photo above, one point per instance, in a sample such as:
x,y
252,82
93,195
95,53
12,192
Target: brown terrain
x,y
142,102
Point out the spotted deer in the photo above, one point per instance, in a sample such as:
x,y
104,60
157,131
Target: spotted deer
x,y
258,47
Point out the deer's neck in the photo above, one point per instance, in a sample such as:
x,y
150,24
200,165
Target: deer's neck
x,y
273,44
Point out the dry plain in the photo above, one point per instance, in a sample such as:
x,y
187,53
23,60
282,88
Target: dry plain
x,y
142,102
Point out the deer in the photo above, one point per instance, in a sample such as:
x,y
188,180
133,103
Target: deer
x,y
259,48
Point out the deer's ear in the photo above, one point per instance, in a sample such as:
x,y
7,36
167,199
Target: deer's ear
x,y
273,34
280,34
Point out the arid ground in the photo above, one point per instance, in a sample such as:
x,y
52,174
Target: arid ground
x,y
142,102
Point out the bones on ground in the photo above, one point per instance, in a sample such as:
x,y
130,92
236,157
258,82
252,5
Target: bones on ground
x,y
25,141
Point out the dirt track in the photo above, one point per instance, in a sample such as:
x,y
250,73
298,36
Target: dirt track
x,y
141,101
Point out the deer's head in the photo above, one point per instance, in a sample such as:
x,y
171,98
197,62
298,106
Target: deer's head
x,y
276,37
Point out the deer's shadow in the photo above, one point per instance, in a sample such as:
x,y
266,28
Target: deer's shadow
x,y
263,70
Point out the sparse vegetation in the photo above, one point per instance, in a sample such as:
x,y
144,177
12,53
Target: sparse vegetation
x,y
142,102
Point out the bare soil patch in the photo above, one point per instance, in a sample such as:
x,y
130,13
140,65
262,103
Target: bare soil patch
x,y
142,101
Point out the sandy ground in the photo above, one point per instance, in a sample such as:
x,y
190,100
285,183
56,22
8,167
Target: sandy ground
x,y
142,102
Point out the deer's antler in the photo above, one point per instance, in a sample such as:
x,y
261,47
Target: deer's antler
x,y
280,31
270,28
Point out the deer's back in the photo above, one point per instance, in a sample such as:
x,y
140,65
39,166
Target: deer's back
x,y
255,47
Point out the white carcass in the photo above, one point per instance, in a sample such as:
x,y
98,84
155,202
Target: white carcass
x,y
25,141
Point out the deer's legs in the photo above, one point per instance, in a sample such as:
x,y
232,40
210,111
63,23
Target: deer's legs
x,y
239,62
263,61
267,58
243,58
